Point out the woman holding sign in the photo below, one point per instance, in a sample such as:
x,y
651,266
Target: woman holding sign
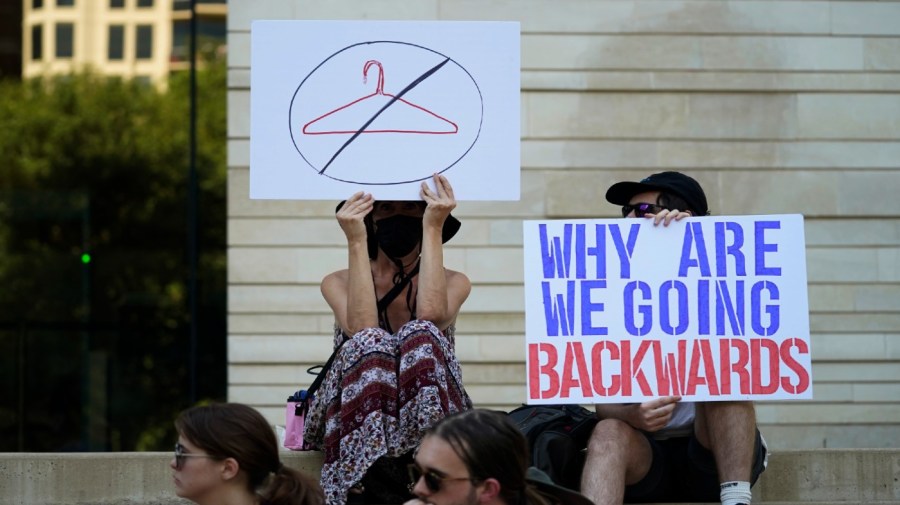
x,y
394,373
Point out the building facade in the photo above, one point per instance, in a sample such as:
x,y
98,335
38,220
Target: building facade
x,y
140,39
775,107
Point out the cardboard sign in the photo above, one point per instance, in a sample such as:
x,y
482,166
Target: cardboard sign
x,y
708,308
380,106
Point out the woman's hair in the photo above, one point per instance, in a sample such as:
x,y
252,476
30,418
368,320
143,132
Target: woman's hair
x,y
491,446
234,430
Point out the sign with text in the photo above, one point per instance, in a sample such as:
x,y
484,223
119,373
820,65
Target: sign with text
x,y
707,308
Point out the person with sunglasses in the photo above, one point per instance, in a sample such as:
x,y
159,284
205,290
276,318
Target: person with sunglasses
x,y
666,450
394,371
228,453
479,457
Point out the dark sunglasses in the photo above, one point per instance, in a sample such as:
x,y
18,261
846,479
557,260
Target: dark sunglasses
x,y
433,480
641,209
180,456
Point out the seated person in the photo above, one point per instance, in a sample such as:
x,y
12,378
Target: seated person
x,y
394,373
228,453
479,457
666,450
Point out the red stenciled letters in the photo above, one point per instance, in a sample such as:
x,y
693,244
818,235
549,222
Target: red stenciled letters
x,y
536,370
797,368
597,360
575,352
756,345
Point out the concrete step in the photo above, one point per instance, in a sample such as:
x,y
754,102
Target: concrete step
x,y
822,476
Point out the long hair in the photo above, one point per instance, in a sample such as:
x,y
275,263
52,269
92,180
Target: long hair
x,y
491,446
234,430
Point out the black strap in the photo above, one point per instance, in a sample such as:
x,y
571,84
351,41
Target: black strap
x,y
324,371
390,295
382,305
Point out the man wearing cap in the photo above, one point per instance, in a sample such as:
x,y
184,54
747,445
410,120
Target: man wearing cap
x,y
480,457
394,371
666,450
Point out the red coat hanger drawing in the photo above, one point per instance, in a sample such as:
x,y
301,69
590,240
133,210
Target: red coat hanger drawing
x,y
337,122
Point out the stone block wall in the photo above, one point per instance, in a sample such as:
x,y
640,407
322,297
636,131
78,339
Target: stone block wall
x,y
788,106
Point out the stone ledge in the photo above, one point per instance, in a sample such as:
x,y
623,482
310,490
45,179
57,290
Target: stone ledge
x,y
824,476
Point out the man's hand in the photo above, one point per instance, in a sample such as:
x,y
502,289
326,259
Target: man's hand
x,y
653,415
666,216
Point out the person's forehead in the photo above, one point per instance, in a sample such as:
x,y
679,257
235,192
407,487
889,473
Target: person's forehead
x,y
187,444
436,454
406,207
645,197
400,204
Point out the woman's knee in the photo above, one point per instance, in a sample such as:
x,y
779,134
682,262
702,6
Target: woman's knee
x,y
418,326
365,340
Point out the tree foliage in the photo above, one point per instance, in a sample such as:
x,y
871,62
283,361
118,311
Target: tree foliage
x,y
98,166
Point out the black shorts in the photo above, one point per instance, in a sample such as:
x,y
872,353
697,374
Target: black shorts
x,y
684,471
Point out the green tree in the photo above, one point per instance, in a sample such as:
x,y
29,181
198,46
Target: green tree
x,y
93,261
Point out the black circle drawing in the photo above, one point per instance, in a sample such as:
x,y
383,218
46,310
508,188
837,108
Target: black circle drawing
x,y
339,150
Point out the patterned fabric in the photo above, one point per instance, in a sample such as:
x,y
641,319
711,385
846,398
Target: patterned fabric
x,y
382,392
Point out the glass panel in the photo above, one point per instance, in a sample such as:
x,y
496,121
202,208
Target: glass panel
x,y
65,3
144,49
145,3
64,40
37,42
116,4
211,34
116,42
37,4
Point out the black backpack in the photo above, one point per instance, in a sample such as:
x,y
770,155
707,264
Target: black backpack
x,y
557,438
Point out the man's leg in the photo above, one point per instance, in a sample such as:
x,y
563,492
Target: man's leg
x,y
617,455
728,429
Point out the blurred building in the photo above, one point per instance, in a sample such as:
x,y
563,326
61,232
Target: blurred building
x,y
141,39
10,39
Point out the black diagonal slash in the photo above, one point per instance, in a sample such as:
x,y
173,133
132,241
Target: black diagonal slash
x,y
412,85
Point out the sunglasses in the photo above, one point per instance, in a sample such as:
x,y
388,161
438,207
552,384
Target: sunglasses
x,y
433,480
641,209
180,455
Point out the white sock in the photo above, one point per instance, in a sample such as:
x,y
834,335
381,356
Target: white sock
x,y
735,492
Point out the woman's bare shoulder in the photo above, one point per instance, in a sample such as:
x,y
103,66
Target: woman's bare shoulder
x,y
455,274
336,278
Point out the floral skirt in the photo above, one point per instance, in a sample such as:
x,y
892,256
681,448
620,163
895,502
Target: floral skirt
x,y
380,395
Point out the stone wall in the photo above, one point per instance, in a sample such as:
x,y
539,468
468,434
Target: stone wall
x,y
775,107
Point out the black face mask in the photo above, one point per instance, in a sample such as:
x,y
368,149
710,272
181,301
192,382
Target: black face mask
x,y
398,235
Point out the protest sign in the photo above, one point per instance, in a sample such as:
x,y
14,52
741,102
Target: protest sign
x,y
707,308
380,106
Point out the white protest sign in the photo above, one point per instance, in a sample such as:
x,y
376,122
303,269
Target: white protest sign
x,y
708,308
342,106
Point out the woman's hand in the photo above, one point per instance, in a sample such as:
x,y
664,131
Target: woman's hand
x,y
352,213
439,202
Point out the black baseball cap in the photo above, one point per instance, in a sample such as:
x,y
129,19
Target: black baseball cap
x,y
675,183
